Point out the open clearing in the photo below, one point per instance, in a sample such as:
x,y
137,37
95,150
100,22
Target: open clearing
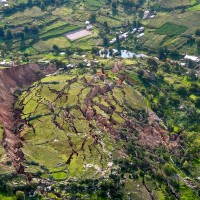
x,y
77,34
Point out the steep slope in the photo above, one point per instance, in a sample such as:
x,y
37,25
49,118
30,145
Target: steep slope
x,y
10,80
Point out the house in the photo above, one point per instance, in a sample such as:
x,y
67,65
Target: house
x,y
113,41
133,31
140,35
146,14
192,58
183,64
87,22
152,16
141,29
89,27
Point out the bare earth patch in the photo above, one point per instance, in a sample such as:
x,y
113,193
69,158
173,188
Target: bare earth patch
x,y
77,34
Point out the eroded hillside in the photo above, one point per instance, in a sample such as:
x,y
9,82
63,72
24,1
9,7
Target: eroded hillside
x,y
11,80
77,125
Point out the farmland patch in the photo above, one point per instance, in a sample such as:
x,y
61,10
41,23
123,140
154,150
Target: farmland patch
x,y
171,29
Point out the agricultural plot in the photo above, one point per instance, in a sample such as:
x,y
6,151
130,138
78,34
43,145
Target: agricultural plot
x,y
174,3
171,29
112,22
178,18
60,30
176,26
94,4
46,45
175,42
67,14
25,17
77,34
151,40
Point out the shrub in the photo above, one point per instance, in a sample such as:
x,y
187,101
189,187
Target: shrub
x,y
182,91
20,195
169,170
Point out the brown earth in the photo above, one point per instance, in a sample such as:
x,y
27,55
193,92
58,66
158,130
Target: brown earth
x,y
10,80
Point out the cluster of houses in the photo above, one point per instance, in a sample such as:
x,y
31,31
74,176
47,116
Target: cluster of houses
x,y
148,14
192,58
5,63
88,26
4,2
124,36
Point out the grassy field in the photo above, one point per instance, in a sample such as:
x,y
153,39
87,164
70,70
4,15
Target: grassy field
x,y
195,8
171,29
46,45
173,4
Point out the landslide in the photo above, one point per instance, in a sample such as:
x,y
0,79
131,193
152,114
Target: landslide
x,y
73,124
78,128
10,80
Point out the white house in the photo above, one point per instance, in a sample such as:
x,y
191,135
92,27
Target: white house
x,y
87,22
140,35
133,31
146,14
141,29
89,27
192,58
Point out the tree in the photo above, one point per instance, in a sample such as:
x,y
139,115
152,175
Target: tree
x,y
198,44
192,75
106,27
68,52
105,41
57,3
30,3
22,35
169,170
92,18
197,102
183,91
162,99
8,35
56,49
3,49
95,50
166,67
34,29
1,32
20,195
153,65
197,32
42,6
162,53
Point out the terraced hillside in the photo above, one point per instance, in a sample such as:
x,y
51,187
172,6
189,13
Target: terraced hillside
x,y
74,125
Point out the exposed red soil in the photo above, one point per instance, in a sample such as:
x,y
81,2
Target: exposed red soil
x,y
10,80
